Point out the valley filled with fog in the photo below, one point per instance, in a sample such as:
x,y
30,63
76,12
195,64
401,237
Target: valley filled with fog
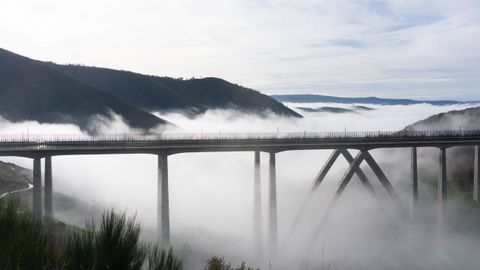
x,y
211,194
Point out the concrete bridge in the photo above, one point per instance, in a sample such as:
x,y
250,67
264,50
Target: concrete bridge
x,y
163,145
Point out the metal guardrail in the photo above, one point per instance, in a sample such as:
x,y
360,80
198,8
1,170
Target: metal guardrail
x,y
125,137
67,142
31,138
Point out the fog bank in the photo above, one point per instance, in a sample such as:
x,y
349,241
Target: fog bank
x,y
211,194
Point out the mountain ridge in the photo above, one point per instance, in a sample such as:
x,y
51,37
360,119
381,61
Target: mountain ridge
x,y
160,94
313,98
452,120
460,159
30,90
51,93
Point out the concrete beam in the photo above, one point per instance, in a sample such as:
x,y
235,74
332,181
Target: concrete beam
x,y
361,175
414,179
48,198
354,165
257,205
37,189
476,175
163,210
326,167
272,191
321,175
383,179
442,185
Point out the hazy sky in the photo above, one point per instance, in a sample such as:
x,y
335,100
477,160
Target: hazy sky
x,y
394,48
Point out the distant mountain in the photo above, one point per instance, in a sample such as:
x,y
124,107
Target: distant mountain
x,y
50,93
326,109
362,100
32,90
362,108
162,94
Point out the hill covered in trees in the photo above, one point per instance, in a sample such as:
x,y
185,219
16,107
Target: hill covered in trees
x,y
50,93
13,177
193,96
452,120
459,159
31,90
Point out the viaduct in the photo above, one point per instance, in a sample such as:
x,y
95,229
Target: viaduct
x,y
163,145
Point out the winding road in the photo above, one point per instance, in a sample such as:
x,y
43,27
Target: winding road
x,y
16,191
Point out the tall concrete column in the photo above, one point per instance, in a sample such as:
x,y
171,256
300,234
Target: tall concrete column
x,y
163,211
442,186
272,204
257,208
37,189
476,179
48,204
414,180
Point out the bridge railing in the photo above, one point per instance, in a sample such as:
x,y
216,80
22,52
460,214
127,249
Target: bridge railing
x,y
125,137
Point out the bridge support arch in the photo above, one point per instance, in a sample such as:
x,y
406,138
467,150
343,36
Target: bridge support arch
x,y
163,210
354,167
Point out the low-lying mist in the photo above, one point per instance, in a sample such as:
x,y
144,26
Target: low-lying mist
x,y
211,195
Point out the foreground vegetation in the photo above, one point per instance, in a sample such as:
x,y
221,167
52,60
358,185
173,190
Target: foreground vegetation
x,y
115,244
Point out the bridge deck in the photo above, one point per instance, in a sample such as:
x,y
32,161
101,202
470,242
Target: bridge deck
x,y
34,146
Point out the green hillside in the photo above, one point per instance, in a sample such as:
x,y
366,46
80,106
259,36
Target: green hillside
x,y
459,159
31,90
50,93
191,96
13,177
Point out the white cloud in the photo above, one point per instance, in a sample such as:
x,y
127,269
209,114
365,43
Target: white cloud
x,y
275,46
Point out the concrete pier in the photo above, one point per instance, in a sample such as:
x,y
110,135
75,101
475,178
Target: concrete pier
x,y
414,180
257,205
476,179
37,189
48,196
163,211
442,186
272,205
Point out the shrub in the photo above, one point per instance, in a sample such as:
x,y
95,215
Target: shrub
x,y
24,242
217,263
162,260
116,245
